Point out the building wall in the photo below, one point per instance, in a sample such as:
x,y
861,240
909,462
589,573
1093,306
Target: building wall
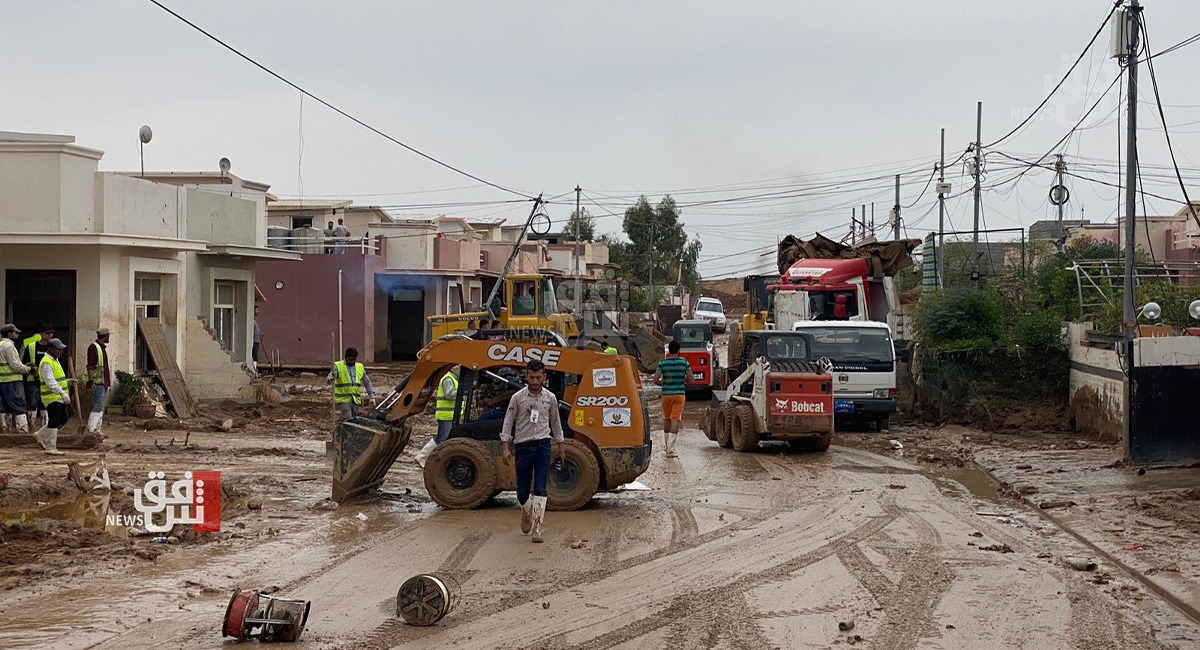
x,y
210,374
219,219
128,205
406,245
1097,387
300,321
47,187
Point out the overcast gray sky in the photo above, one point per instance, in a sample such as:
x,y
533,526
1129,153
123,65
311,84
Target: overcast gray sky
x,y
622,98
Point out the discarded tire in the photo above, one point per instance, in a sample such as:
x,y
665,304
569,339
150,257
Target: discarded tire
x,y
745,431
425,599
571,487
459,474
724,424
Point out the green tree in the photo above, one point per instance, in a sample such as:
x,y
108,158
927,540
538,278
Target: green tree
x,y
584,221
658,242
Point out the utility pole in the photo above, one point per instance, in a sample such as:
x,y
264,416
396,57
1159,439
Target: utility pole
x,y
1130,318
896,226
578,279
1059,198
650,253
853,227
941,249
872,217
977,173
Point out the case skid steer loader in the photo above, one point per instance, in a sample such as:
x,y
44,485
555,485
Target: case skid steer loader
x,y
605,422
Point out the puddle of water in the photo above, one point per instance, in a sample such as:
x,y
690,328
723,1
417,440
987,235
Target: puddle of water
x,y
87,510
976,482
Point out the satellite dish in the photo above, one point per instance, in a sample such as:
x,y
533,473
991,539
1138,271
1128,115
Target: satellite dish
x,y
144,134
224,165
1194,309
1151,311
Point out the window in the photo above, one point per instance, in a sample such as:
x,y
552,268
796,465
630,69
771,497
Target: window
x,y
709,305
147,303
692,335
224,302
524,302
784,347
549,298
849,344
302,222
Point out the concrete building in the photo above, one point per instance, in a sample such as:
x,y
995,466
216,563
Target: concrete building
x,y
409,269
81,249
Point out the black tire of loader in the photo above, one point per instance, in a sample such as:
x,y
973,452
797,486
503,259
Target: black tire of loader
x,y
820,443
453,462
581,469
745,432
724,424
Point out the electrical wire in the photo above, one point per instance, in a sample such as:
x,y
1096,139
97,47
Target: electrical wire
x,y
923,190
335,109
1163,117
1054,90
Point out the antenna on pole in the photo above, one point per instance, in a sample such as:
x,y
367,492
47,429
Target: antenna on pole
x,y
144,136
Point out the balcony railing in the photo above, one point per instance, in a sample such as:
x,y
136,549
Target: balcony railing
x,y
324,245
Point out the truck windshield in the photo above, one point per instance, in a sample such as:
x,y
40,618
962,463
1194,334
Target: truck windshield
x,y
846,344
832,305
782,347
549,299
708,305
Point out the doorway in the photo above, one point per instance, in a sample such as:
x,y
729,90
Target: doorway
x,y
35,297
406,322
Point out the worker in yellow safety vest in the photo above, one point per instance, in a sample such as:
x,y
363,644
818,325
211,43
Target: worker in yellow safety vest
x,y
349,378
55,394
447,400
608,349
99,376
12,392
32,351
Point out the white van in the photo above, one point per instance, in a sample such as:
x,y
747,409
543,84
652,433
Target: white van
x,y
864,367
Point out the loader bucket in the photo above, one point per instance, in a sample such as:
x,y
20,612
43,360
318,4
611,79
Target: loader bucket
x,y
364,449
649,345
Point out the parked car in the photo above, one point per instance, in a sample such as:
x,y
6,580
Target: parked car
x,y
711,310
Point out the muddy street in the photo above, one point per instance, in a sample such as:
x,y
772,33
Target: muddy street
x,y
724,550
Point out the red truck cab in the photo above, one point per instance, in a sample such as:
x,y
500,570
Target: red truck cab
x,y
695,340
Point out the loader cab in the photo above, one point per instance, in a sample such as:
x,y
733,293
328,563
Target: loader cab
x,y
695,340
780,348
483,397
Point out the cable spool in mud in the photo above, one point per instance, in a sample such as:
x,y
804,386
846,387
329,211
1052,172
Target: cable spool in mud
x,y
425,599
256,615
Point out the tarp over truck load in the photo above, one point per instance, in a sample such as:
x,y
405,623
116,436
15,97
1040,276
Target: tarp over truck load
x,y
884,259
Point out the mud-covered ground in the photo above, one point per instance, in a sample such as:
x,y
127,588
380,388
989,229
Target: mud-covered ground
x,y
911,547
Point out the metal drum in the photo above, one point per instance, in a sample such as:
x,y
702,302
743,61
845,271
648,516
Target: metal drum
x,y
256,615
425,599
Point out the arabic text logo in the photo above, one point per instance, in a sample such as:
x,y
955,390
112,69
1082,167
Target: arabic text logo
x,y
195,500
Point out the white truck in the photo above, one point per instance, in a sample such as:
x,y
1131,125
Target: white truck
x,y
864,368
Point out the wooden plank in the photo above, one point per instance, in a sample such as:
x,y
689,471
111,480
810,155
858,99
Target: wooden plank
x,y
168,370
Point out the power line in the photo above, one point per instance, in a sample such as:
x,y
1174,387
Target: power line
x,y
335,108
1166,132
1087,47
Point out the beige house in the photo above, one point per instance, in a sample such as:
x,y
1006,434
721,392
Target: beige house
x,y
82,249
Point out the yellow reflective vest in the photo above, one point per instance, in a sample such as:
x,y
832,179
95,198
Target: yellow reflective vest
x,y
7,374
49,396
445,405
344,390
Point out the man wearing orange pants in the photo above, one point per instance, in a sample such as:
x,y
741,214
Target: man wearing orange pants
x,y
672,375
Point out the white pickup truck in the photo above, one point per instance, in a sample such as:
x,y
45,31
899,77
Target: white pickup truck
x,y
864,367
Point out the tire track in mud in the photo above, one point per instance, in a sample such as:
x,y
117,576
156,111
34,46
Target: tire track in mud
x,y
713,603
780,501
1095,625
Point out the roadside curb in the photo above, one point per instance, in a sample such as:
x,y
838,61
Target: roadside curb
x,y
1155,588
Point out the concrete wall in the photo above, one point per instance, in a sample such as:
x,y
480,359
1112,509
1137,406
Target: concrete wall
x,y
406,246
219,219
455,254
47,187
300,320
127,205
1097,387
211,375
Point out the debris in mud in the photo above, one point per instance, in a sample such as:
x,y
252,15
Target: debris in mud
x,y
254,504
846,626
89,477
897,486
257,615
1080,563
896,444
1056,503
545,605
976,534
999,548
1024,466
578,544
361,516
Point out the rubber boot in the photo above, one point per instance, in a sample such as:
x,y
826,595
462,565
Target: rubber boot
x,y
99,421
670,445
423,454
39,436
526,517
539,513
22,423
91,425
51,444
43,417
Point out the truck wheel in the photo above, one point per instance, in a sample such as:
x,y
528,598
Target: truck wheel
x,y
822,442
745,431
724,424
459,474
708,424
883,423
571,487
